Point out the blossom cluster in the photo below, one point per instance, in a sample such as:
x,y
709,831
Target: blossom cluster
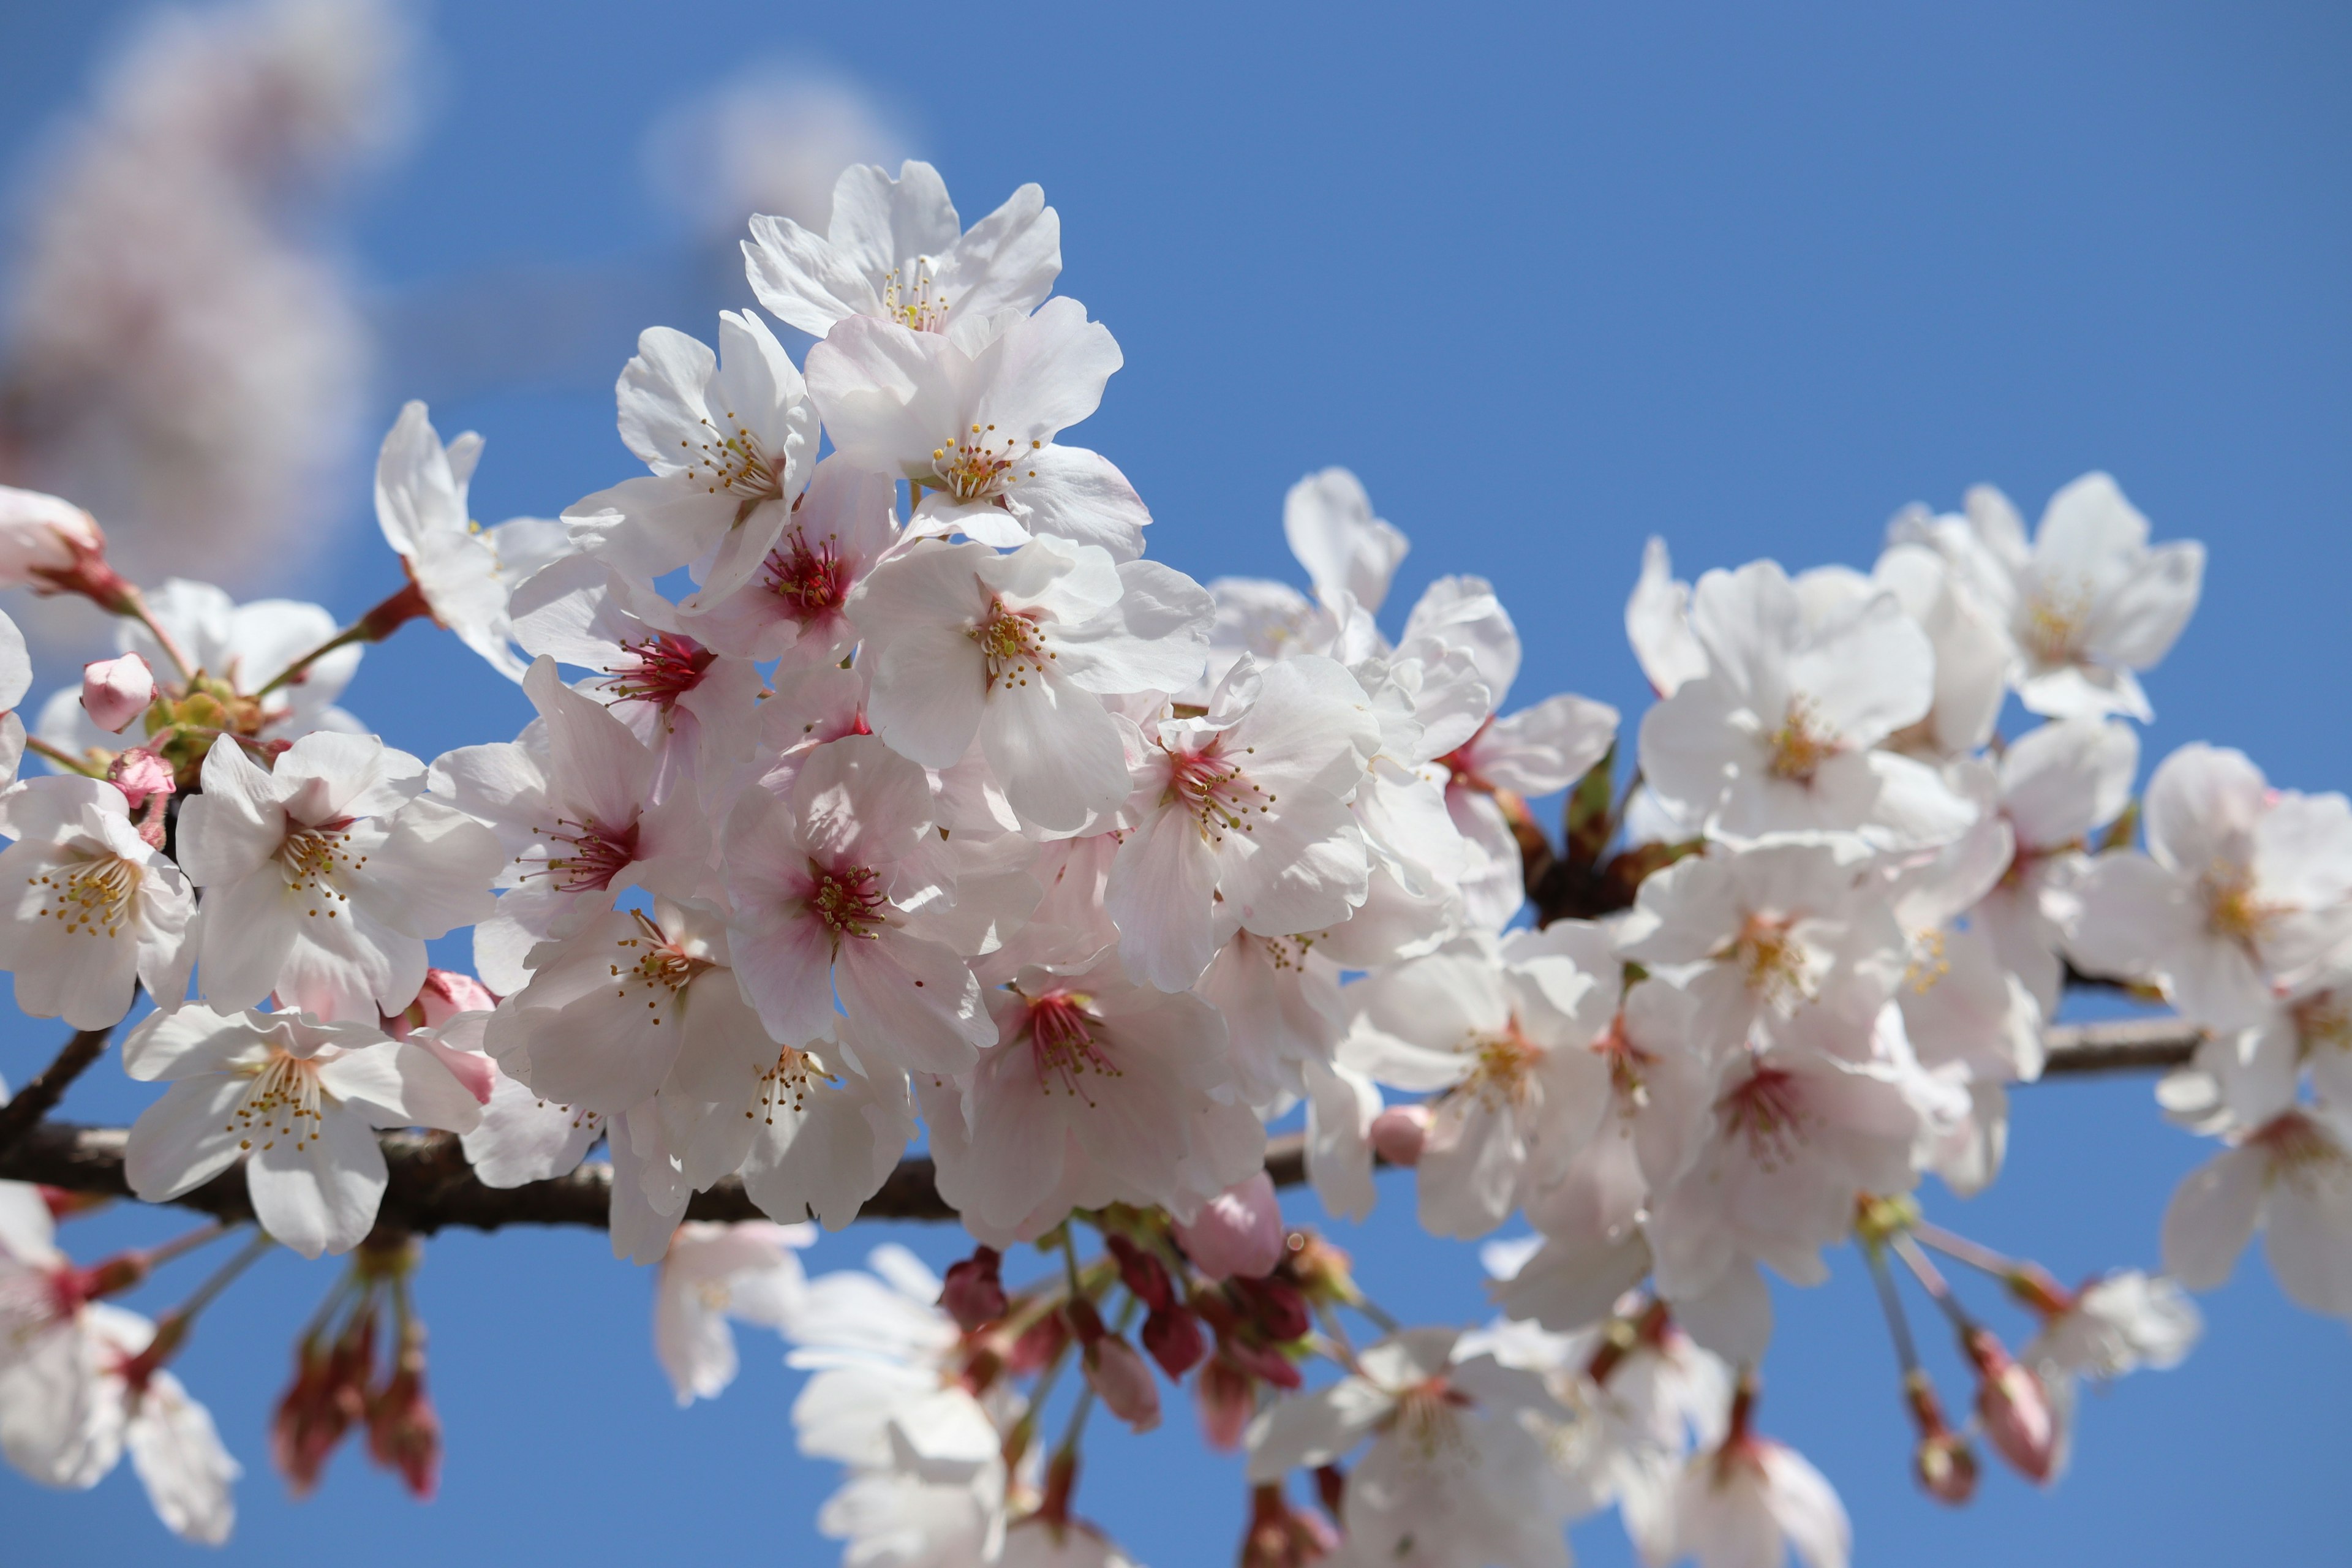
x,y
880,788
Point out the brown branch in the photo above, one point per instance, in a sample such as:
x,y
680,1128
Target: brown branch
x,y
432,1187
40,1097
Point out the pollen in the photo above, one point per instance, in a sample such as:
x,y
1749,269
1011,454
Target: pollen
x,y
1801,744
1062,1043
1012,647
91,896
848,900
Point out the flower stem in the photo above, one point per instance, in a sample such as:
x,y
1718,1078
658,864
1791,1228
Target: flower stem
x,y
396,610
62,757
1931,1280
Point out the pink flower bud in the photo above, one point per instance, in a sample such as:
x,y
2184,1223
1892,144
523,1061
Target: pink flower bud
x,y
1274,1305
1174,1338
1122,1380
2013,1408
42,538
974,1296
141,775
1399,1132
404,1430
1226,1398
448,993
114,691
1945,1467
1238,1233
1039,1343
1145,1276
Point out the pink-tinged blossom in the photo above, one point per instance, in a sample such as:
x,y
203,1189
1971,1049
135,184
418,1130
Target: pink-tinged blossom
x,y
827,888
1242,819
324,878
114,691
612,1007
1017,650
896,249
795,606
93,910
573,805
1532,752
749,1272
2086,605
1238,1232
2115,1324
1097,1091
1455,1478
298,1100
970,416
730,437
466,571
1755,933
1279,996
2245,889
1747,1505
688,703
42,538
2288,1175
1506,1032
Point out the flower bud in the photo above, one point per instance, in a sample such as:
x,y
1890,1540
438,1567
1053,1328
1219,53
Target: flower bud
x,y
1122,1380
114,691
1145,1277
1237,1232
1039,1343
404,1430
42,538
1399,1132
974,1296
326,1399
1282,1537
1226,1397
1946,1467
2013,1408
1274,1305
448,993
1174,1338
141,775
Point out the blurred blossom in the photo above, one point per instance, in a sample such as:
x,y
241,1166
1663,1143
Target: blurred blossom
x,y
183,354
771,138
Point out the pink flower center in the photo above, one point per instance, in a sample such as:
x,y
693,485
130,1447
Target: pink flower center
x,y
1011,646
595,857
1771,960
810,582
1501,1065
1460,771
1062,1044
1769,1111
2301,1154
659,668
848,900
1214,789
1629,1064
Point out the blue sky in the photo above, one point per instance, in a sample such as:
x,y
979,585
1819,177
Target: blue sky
x,y
1551,280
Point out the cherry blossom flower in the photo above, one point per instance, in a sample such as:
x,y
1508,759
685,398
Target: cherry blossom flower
x,y
2243,889
2086,603
2059,782
1533,753
1507,1030
969,418
750,1272
615,1006
1242,820
1098,1090
466,571
1766,929
840,529
2289,1175
1736,1506
1279,996
96,911
125,1405
894,248
1014,650
1780,734
821,885
730,437
2115,1324
1453,1477
573,805
301,1097
324,877
1657,623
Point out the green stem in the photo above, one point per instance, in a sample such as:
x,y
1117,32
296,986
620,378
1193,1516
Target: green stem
x,y
62,757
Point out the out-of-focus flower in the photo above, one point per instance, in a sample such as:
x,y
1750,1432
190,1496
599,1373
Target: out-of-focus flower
x,y
774,137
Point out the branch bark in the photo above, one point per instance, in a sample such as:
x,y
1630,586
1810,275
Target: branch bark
x,y
432,1188
40,1097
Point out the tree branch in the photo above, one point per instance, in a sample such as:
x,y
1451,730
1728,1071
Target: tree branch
x,y
432,1188
39,1097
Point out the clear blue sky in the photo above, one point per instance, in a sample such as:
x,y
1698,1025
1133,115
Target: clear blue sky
x,y
1549,279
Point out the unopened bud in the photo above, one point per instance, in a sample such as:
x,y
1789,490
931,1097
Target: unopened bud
x,y
1145,1277
1174,1338
114,691
141,775
1274,1305
404,1430
974,1296
1226,1397
1238,1233
1945,1467
1281,1537
2012,1408
1399,1133
1122,1380
1039,1343
46,543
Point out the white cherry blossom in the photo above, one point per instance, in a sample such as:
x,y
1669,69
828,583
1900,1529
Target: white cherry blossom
x,y
794,606
894,248
750,1272
298,1100
969,418
94,911
323,877
2059,783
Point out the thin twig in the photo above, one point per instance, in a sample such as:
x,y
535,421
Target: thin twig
x,y
39,1097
